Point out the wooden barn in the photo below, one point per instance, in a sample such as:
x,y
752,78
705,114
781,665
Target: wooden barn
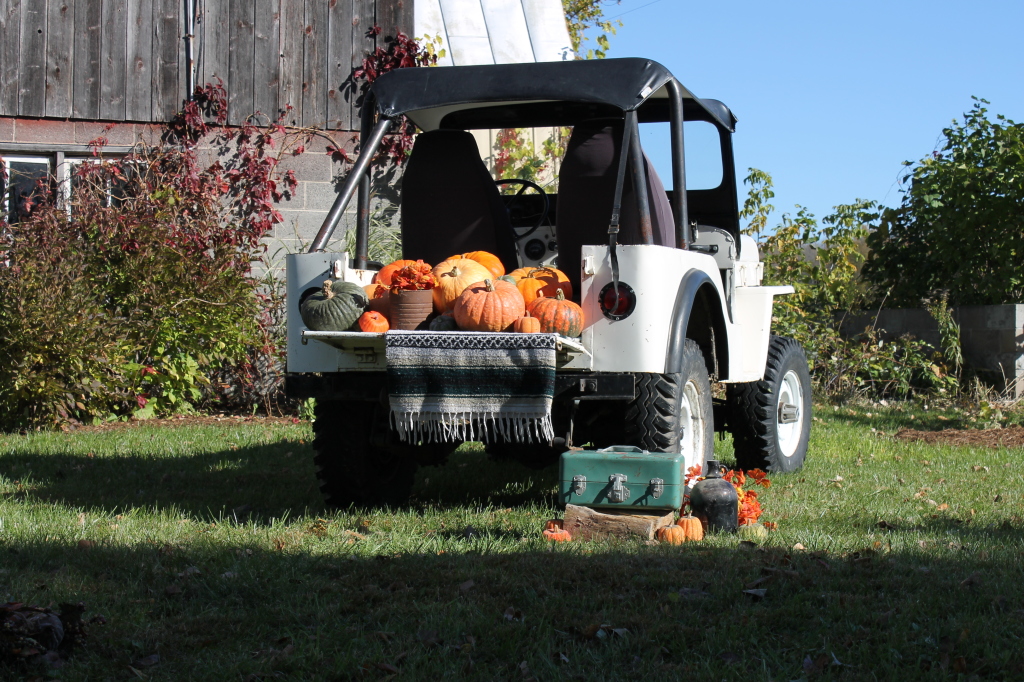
x,y
74,70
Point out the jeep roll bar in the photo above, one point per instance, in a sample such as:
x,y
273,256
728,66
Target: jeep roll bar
x,y
528,95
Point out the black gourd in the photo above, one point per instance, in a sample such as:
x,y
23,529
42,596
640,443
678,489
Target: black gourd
x,y
335,308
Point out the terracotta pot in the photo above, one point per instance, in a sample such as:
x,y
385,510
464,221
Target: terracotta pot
x,y
410,309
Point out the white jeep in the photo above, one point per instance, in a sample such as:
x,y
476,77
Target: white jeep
x,y
670,289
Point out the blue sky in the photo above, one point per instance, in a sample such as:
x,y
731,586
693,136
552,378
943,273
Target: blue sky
x,y
832,97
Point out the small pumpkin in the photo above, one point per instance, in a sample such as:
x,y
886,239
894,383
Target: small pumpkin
x,y
558,315
489,306
692,528
673,535
373,321
554,524
453,276
378,298
443,323
752,531
383,276
543,282
526,325
335,308
508,278
486,259
557,535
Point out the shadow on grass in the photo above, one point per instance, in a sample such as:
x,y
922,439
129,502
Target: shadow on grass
x,y
335,612
253,483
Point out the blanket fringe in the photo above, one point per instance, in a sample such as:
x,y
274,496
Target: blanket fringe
x,y
441,427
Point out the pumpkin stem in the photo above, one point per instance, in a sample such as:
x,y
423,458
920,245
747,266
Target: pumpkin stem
x,y
454,272
328,291
489,285
560,295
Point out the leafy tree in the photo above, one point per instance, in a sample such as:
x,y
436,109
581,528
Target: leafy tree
x,y
959,228
581,15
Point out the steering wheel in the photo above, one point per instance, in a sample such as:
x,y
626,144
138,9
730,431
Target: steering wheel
x,y
512,202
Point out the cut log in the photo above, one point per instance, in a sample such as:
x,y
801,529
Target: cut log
x,y
585,523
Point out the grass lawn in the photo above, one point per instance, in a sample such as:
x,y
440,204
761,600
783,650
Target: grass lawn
x,y
210,556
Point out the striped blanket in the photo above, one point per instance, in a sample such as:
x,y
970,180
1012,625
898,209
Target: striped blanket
x,y
447,386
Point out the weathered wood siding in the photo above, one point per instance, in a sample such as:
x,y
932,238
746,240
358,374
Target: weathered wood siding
x,y
124,60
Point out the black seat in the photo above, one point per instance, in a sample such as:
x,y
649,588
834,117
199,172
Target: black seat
x,y
586,189
450,203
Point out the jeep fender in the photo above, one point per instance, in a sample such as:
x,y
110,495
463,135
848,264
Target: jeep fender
x,y
698,302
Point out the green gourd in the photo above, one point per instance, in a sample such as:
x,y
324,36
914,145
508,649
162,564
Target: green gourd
x,y
335,308
443,323
752,531
508,278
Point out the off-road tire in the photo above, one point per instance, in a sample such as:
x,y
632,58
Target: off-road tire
x,y
656,419
760,441
352,470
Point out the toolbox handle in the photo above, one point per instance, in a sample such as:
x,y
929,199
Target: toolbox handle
x,y
622,448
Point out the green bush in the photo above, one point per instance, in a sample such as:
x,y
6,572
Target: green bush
x,y
822,262
130,295
959,227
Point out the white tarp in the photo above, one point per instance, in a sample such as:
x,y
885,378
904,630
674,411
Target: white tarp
x,y
495,31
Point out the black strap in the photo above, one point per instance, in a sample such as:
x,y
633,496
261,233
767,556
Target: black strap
x,y
620,178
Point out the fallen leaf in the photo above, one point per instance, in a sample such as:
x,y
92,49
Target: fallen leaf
x,y
428,637
757,583
730,658
747,544
978,467
86,544
148,661
942,507
798,546
512,613
172,589
885,525
997,498
971,580
466,586
388,668
757,595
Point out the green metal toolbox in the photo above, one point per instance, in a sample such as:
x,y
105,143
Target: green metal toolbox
x,y
622,476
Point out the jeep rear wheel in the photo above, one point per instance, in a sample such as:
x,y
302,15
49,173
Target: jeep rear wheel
x,y
672,412
771,418
350,468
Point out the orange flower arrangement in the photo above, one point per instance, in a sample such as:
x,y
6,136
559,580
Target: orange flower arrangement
x,y
749,507
418,275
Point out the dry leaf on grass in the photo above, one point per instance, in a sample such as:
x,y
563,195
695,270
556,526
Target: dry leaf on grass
x,y
513,614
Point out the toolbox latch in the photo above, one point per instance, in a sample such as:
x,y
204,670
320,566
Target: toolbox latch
x,y
657,487
579,484
619,492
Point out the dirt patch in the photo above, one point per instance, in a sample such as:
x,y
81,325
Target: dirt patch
x,y
190,420
1010,437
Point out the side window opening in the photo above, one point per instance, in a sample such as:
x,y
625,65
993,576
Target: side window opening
x,y
702,153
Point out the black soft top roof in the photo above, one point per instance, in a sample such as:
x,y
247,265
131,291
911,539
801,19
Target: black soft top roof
x,y
535,94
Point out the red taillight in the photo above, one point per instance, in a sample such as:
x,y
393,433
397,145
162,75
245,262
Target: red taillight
x,y
617,305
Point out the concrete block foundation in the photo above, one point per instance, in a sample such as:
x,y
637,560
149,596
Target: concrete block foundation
x,y
991,336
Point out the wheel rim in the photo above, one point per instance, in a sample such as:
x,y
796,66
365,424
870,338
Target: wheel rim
x,y
790,413
691,426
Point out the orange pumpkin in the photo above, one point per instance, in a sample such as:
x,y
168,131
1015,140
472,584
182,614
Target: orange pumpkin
x,y
383,276
692,528
453,276
378,298
558,315
543,282
486,259
526,325
554,524
373,321
557,535
489,306
673,535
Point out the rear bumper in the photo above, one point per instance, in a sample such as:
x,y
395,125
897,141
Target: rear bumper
x,y
372,386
